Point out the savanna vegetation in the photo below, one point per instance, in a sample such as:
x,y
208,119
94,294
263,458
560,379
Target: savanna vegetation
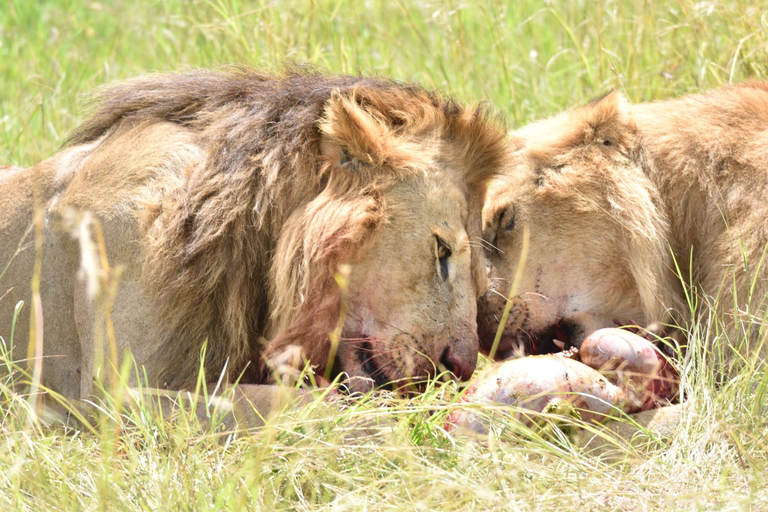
x,y
528,58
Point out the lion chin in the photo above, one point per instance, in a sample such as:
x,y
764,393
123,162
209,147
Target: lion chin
x,y
633,211
243,215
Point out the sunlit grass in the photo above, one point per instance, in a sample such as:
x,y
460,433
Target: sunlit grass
x,y
530,59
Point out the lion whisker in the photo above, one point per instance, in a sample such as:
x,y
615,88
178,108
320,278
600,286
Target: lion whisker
x,y
359,344
478,245
488,245
402,331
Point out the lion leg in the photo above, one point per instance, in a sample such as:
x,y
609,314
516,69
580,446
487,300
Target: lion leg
x,y
116,317
114,200
242,407
21,194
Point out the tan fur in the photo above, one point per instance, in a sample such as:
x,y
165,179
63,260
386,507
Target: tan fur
x,y
616,195
231,199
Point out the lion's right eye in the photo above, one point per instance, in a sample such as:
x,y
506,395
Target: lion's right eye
x,y
506,221
443,253
511,224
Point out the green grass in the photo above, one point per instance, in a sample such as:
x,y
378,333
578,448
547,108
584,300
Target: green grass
x,y
529,58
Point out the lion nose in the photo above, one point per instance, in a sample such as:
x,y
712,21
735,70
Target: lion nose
x,y
463,369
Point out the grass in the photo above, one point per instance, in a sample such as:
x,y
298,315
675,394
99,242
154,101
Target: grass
x,y
530,59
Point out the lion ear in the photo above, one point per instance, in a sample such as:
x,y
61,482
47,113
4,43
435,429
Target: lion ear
x,y
607,120
352,135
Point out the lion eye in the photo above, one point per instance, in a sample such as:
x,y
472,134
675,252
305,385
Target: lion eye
x,y
510,225
443,253
607,143
506,226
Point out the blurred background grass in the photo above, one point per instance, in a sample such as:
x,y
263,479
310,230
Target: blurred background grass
x,y
529,58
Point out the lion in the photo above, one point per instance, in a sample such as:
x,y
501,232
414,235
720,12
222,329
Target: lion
x,y
230,203
650,214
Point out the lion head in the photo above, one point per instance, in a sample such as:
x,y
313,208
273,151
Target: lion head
x,y
598,249
302,176
397,209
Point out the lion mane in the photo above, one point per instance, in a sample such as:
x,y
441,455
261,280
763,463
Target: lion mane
x,y
243,251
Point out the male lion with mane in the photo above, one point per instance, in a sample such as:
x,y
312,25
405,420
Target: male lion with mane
x,y
632,209
231,199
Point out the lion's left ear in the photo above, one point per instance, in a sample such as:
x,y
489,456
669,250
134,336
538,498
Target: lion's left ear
x,y
606,120
352,135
